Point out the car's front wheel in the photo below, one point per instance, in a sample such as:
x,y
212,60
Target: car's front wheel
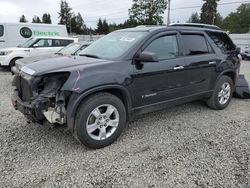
x,y
222,94
100,120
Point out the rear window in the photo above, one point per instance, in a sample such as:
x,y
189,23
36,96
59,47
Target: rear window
x,y
60,42
1,30
223,41
195,44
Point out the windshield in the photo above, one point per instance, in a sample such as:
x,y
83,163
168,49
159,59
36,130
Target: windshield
x,y
70,49
1,30
113,45
28,43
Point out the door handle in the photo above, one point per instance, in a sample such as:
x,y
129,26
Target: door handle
x,y
212,63
178,67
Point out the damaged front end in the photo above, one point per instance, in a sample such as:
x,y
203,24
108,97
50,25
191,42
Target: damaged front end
x,y
40,98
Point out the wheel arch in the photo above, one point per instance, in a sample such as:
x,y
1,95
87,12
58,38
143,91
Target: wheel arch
x,y
76,99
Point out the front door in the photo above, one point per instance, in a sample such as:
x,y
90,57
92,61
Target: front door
x,y
164,80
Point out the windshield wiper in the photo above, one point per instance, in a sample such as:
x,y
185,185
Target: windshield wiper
x,y
90,55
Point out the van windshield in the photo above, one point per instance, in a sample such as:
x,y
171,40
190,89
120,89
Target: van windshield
x,y
1,30
28,43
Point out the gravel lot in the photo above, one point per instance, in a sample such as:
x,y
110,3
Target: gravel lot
x,y
185,146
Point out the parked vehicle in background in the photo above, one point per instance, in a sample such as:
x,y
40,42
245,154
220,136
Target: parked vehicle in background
x,y
246,53
128,73
33,47
71,49
13,34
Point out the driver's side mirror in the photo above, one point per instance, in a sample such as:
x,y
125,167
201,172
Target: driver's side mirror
x,y
35,46
147,57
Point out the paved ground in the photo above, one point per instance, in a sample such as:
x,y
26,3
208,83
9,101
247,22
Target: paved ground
x,y
185,146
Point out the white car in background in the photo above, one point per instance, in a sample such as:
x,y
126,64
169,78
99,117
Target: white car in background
x,y
72,49
33,47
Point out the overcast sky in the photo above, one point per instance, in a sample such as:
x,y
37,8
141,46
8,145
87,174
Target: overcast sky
x,y
113,10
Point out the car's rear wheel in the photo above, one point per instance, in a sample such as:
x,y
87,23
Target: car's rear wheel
x,y
222,94
100,120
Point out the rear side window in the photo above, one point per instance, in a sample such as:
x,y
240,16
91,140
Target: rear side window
x,y
1,30
165,47
195,44
223,41
60,43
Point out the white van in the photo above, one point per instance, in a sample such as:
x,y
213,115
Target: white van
x,y
13,34
33,47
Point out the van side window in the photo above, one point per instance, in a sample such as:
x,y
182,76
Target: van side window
x,y
61,43
195,44
222,40
43,43
1,30
165,47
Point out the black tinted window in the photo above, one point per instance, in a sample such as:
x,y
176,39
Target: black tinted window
x,y
60,42
164,47
222,40
1,30
195,44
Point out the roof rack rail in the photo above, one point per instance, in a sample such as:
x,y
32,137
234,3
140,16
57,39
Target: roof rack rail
x,y
141,26
196,25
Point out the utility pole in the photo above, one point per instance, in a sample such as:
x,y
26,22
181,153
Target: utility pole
x,y
168,18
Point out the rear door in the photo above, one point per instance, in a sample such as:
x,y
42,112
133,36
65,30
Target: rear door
x,y
200,60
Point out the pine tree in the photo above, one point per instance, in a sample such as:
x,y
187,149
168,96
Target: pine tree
x,y
80,25
46,18
99,29
195,18
105,27
36,19
65,14
23,19
209,11
148,12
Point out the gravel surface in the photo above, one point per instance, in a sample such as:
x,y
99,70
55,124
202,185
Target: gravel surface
x,y
185,146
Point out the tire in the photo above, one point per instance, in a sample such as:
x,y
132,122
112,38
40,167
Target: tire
x,y
13,62
94,111
220,98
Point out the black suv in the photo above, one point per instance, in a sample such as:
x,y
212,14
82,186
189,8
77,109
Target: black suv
x,y
127,73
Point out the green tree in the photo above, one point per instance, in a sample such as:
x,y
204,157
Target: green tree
x,y
65,14
195,18
23,19
46,18
239,21
105,27
80,25
99,29
148,12
209,11
36,19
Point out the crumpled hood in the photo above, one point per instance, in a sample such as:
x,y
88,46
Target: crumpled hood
x,y
58,64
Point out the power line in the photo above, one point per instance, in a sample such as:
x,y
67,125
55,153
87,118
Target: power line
x,y
219,4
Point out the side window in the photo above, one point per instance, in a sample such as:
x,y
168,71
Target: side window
x,y
222,41
60,43
1,30
43,43
165,47
195,44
